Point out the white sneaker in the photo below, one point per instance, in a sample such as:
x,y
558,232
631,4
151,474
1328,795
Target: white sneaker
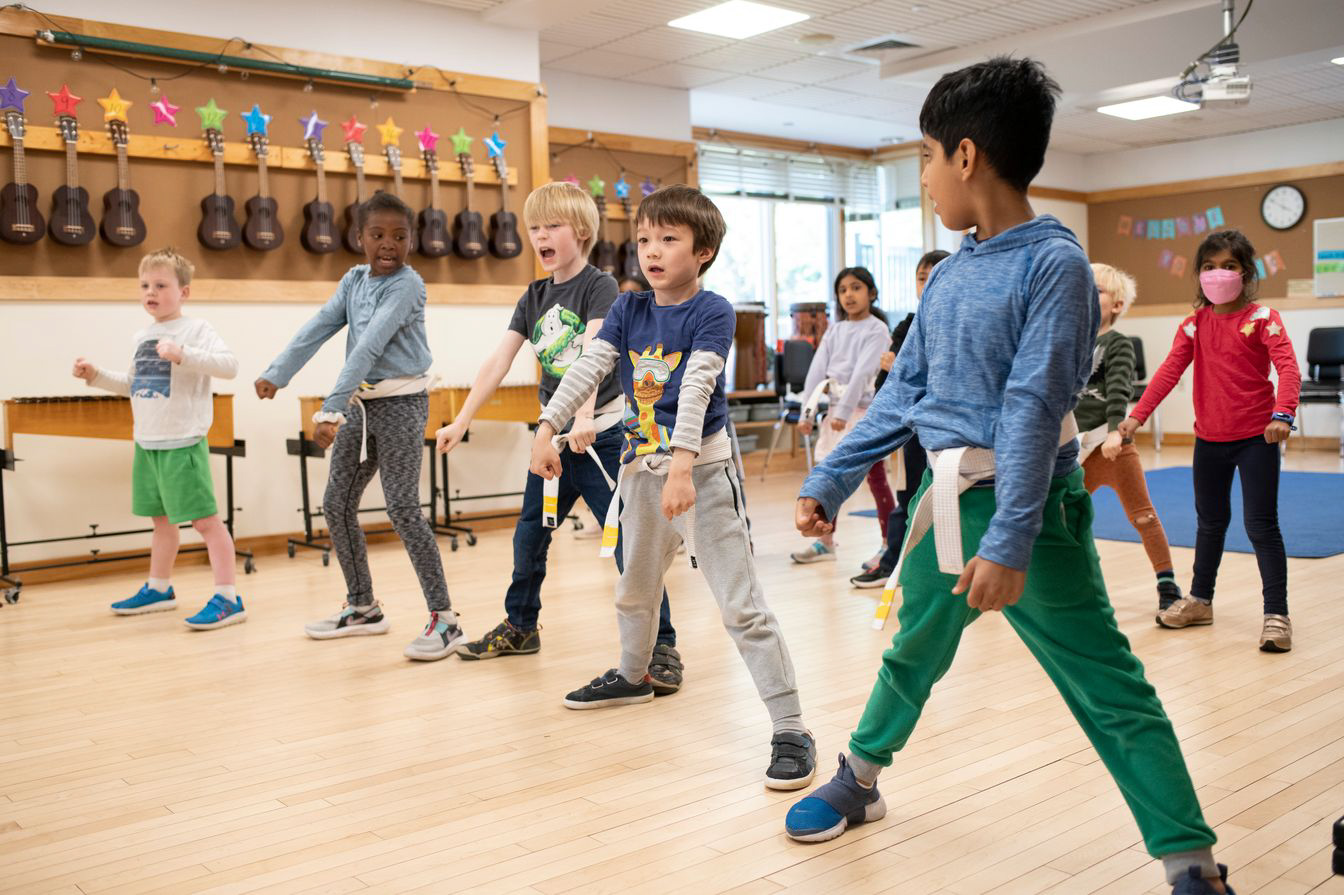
x,y
439,640
351,621
817,552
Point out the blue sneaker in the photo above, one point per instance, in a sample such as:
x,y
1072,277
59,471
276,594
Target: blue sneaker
x,y
146,600
218,613
830,809
1193,883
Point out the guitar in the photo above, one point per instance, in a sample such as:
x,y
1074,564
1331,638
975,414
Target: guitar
x,y
393,153
603,256
20,221
122,225
262,230
218,228
354,134
468,225
71,223
433,237
629,250
319,233
504,239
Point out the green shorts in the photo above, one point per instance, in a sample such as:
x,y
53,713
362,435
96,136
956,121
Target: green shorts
x,y
175,483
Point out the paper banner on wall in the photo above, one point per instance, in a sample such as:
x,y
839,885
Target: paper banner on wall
x,y
1154,229
1177,268
1169,229
1139,226
1200,225
1125,225
1182,226
1164,261
1274,261
1216,217
1260,267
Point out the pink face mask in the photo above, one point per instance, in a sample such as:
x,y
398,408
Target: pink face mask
x,y
1220,286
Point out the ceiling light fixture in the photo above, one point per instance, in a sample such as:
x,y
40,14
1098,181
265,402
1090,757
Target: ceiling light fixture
x,y
738,19
1338,60
1151,107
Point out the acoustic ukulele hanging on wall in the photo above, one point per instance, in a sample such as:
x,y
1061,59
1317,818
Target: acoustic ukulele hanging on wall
x,y
71,223
504,240
354,147
122,225
219,227
20,221
603,256
433,237
319,227
468,226
262,230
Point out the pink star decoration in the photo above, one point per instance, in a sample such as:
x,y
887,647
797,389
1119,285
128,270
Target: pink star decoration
x,y
428,139
164,111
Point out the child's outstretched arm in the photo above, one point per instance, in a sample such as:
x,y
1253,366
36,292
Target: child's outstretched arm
x,y
488,378
398,305
116,383
325,323
1165,379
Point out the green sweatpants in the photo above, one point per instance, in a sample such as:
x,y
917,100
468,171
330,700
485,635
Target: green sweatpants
x,y
1066,620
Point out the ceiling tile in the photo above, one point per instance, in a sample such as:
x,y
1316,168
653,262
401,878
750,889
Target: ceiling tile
x,y
676,74
815,69
602,63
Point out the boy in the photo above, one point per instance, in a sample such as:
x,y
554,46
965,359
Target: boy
x,y
558,316
169,388
999,349
677,480
384,384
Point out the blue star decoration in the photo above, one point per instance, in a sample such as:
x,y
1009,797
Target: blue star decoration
x,y
647,187
495,144
622,188
12,96
257,121
313,126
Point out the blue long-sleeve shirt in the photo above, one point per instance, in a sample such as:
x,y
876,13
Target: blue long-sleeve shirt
x,y
996,356
387,339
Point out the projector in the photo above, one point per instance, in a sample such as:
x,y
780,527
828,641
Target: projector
x,y
1225,85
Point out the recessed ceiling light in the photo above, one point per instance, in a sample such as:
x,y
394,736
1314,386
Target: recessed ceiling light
x,y
1152,107
1338,60
787,123
738,19
817,39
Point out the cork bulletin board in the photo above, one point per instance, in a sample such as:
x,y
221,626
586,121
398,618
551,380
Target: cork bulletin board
x,y
1119,233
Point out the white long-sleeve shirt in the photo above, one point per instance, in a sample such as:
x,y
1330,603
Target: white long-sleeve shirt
x,y
850,353
171,402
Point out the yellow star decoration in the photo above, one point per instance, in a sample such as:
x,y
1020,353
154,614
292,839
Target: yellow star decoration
x,y
390,133
1273,329
114,107
1248,329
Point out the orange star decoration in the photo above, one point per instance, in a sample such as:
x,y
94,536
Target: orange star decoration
x,y
389,132
1248,328
114,107
1273,329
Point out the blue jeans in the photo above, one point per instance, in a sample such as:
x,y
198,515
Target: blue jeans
x,y
532,540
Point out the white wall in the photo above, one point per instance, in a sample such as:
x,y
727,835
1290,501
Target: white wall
x,y
622,107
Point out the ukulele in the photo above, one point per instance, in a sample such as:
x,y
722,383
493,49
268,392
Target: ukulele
x,y
603,256
392,150
354,134
319,232
71,223
218,228
468,225
433,237
629,250
20,221
122,225
262,230
504,240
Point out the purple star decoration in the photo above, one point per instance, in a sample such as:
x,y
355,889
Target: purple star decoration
x,y
313,126
647,187
12,96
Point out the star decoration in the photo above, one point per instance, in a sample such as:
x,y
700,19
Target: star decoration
x,y
1261,313
12,96
572,179
354,131
164,111
257,120
389,132
1248,328
1273,329
647,187
212,116
495,144
63,103
428,139
1189,329
597,186
461,142
622,188
114,107
313,126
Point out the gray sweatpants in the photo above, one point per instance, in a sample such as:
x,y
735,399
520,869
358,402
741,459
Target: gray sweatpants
x,y
396,446
723,552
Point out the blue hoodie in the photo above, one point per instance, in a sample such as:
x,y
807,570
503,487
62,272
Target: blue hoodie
x,y
997,354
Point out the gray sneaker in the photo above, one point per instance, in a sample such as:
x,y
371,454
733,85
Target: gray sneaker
x,y
814,552
439,640
351,621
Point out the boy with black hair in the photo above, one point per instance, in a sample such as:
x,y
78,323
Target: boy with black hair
x,y
999,349
677,482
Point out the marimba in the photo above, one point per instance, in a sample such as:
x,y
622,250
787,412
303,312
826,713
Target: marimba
x,y
100,416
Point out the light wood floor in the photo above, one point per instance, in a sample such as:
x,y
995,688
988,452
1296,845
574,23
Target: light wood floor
x,y
136,756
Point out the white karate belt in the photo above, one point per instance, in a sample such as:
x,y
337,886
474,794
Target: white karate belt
x,y
657,464
813,402
550,488
402,385
954,471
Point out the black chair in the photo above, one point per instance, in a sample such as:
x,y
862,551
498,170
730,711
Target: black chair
x,y
1141,385
1325,357
791,366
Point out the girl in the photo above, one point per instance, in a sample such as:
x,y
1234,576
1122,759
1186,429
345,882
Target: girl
x,y
846,362
1107,458
1238,425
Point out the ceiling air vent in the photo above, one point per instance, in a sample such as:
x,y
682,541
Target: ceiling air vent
x,y
882,46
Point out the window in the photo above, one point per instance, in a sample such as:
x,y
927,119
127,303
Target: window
x,y
888,239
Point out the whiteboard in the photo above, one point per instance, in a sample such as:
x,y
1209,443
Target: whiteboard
x,y
1328,256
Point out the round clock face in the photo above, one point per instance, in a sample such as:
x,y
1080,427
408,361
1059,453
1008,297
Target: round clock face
x,y
1283,207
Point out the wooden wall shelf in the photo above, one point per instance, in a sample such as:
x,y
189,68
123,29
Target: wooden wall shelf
x,y
121,289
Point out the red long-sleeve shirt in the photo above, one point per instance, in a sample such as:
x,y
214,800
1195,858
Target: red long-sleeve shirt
x,y
1234,398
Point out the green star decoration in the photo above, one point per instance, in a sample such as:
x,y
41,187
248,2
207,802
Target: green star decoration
x,y
461,142
212,116
597,186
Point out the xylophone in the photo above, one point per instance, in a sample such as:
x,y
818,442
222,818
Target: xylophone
x,y
99,416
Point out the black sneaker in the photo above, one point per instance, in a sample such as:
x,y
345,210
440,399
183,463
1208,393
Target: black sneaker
x,y
609,690
875,577
1168,592
504,640
665,670
793,761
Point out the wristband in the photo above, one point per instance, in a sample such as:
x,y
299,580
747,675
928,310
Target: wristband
x,y
1285,418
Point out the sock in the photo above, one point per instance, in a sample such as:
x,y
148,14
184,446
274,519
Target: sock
x,y
1207,601
1178,865
865,772
227,591
162,585
446,619
1168,575
789,725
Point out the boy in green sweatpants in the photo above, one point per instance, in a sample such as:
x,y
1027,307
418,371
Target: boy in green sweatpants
x,y
987,378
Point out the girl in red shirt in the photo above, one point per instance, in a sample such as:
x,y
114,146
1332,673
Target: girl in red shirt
x,y
1239,422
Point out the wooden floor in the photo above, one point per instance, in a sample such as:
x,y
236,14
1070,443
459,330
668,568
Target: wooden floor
x,y
136,756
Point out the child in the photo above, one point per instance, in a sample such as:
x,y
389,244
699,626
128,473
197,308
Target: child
x,y
677,480
911,456
169,388
845,365
1107,457
999,350
558,316
384,385
1238,426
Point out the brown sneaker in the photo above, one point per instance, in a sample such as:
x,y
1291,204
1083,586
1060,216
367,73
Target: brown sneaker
x,y
1184,612
1277,634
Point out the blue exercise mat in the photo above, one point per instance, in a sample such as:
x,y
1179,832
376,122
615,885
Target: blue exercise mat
x,y
1311,512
